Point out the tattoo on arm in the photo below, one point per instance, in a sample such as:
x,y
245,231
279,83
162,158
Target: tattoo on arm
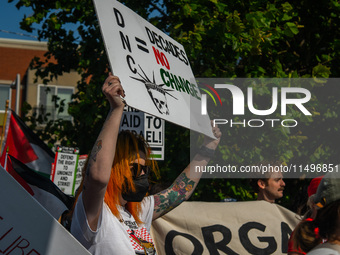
x,y
168,199
97,147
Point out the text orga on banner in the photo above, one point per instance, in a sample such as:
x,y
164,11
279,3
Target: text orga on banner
x,y
27,228
148,126
64,169
251,227
153,68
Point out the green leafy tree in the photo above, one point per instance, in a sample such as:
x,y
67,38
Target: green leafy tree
x,y
283,39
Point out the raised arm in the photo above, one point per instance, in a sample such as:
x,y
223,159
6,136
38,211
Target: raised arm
x,y
101,158
186,182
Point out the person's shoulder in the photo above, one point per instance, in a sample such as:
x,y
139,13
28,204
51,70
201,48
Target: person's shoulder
x,y
147,201
325,249
147,206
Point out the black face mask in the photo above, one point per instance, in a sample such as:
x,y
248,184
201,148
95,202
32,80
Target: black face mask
x,y
142,185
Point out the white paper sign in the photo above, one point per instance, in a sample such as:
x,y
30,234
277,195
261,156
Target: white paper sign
x,y
64,169
153,68
27,228
148,126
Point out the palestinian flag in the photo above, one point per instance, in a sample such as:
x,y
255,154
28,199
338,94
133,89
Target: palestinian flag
x,y
23,144
40,187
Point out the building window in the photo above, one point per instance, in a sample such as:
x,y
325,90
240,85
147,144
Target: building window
x,y
5,94
51,99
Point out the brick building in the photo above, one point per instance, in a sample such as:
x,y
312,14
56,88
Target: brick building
x,y
17,80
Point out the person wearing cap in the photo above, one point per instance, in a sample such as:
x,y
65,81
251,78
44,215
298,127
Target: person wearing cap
x,y
293,243
313,186
321,236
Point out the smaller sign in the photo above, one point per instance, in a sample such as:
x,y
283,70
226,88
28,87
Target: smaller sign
x,y
64,169
148,126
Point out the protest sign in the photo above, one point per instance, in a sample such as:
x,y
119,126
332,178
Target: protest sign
x,y
79,176
148,126
64,169
153,68
27,228
254,227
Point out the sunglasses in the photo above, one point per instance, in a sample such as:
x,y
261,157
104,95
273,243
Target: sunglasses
x,y
137,169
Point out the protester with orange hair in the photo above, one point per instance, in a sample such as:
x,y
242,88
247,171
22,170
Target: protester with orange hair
x,y
112,214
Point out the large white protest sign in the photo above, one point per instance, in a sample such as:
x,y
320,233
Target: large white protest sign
x,y
153,68
254,227
27,228
148,126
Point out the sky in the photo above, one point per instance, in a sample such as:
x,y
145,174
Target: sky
x,y
10,18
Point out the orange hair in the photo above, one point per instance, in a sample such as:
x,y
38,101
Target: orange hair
x,y
127,149
121,180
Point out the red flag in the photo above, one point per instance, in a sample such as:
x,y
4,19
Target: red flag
x,y
17,143
23,144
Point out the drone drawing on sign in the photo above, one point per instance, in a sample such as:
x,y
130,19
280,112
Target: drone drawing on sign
x,y
156,92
